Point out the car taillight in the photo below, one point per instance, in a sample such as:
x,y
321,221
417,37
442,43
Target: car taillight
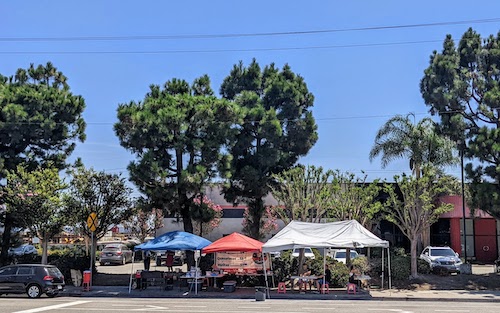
x,y
48,278
119,253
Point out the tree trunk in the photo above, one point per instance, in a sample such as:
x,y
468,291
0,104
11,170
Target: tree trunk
x,y
256,208
426,237
45,248
413,253
348,257
4,255
188,226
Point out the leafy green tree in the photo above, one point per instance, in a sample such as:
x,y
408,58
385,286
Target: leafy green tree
x,y
40,123
206,215
277,128
304,192
144,223
352,198
412,206
107,195
461,85
421,143
37,197
178,135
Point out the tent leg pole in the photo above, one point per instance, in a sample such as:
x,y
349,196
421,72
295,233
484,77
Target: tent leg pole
x,y
268,294
131,273
390,273
383,267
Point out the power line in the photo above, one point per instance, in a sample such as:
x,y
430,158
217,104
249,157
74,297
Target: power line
x,y
363,45
239,35
331,118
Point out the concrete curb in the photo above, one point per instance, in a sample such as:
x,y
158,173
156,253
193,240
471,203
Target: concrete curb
x,y
249,293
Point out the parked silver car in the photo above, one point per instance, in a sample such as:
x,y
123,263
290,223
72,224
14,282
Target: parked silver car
x,y
442,258
116,254
22,250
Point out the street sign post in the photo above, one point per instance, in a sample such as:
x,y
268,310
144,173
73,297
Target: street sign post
x,y
92,223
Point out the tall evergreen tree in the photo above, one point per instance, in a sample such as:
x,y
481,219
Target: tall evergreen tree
x,y
278,128
40,123
178,134
462,86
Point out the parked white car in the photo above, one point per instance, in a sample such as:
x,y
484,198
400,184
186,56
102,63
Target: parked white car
x,y
442,258
307,253
341,255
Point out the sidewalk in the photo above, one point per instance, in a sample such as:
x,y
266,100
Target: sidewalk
x,y
249,293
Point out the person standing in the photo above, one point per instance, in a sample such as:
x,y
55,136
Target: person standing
x,y
147,260
170,260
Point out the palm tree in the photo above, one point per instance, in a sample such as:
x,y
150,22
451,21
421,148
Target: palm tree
x,y
420,143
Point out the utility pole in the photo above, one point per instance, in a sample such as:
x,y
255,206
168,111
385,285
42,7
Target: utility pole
x,y
463,202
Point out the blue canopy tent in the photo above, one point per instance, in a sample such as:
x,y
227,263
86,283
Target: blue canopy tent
x,y
175,240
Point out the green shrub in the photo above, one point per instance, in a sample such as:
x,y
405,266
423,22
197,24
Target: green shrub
x,y
400,266
423,267
361,263
70,258
284,266
340,274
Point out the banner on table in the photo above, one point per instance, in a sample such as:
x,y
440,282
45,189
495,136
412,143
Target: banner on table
x,y
240,261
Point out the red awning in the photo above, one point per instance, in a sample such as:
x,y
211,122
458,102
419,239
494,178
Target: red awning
x,y
234,242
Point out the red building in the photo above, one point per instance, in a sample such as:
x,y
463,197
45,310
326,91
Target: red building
x,y
482,232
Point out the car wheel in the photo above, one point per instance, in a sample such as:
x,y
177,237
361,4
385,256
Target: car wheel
x,y
34,291
52,294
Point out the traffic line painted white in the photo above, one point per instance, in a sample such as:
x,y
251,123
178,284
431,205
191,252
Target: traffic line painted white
x,y
391,310
190,306
52,307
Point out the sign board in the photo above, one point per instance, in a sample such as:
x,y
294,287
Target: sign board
x,y
92,222
233,261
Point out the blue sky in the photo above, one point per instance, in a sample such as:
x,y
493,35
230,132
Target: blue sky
x,y
359,78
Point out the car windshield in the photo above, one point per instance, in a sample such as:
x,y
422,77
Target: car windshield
x,y
342,254
442,252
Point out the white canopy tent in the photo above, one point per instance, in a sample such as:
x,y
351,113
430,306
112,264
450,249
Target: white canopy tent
x,y
344,234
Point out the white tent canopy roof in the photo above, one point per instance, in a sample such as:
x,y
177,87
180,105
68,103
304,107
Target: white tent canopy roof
x,y
343,234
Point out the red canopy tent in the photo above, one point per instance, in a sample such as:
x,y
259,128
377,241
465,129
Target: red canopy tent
x,y
234,242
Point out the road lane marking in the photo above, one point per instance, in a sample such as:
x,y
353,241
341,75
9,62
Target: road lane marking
x,y
190,306
391,310
52,307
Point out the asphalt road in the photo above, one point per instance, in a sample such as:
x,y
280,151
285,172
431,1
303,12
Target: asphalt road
x,y
23,305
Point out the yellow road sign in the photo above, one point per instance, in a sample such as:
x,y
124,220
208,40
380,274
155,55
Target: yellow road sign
x,y
92,221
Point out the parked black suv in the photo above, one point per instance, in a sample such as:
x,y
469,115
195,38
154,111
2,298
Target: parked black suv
x,y
33,279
